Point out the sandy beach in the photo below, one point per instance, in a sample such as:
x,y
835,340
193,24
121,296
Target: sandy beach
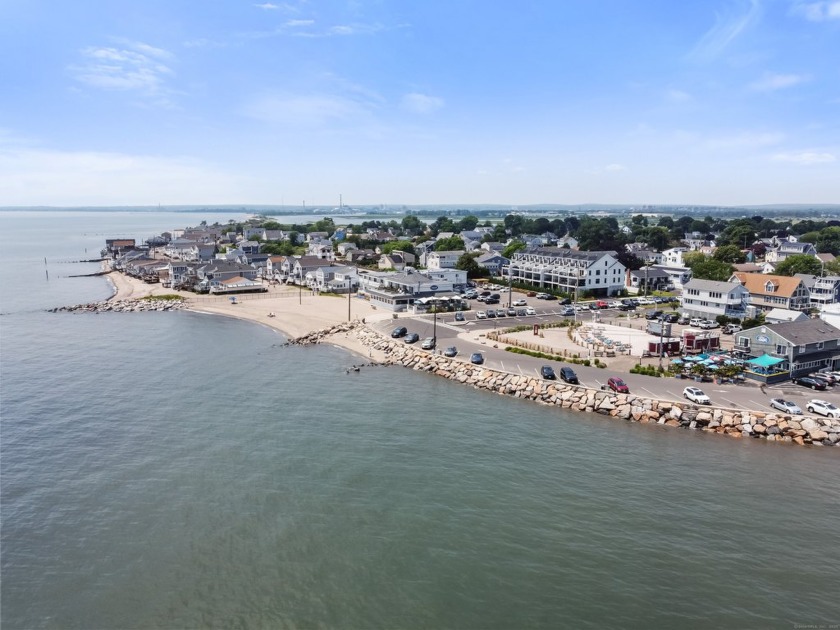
x,y
295,313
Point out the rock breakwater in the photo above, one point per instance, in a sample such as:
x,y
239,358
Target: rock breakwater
x,y
777,427
123,306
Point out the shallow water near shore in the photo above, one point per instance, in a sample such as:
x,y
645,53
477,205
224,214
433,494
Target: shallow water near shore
x,y
178,470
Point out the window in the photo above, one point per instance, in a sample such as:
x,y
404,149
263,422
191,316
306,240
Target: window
x,y
781,349
743,342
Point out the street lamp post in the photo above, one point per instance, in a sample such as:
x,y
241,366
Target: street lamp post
x,y
510,286
349,291
300,287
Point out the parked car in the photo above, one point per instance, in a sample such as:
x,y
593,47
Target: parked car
x,y
550,297
491,300
683,320
565,301
825,376
807,381
411,338
708,324
481,315
627,307
695,322
618,385
491,313
459,316
602,304
696,395
568,375
521,312
428,343
477,358
500,312
451,351
400,331
823,408
654,314
671,318
568,312
520,303
731,329
530,311
547,372
786,406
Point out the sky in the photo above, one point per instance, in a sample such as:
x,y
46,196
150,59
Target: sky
x,y
317,102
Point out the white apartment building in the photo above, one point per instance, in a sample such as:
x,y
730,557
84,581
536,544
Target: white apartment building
x,y
569,271
442,260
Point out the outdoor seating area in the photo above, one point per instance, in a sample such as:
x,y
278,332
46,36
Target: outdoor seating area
x,y
604,340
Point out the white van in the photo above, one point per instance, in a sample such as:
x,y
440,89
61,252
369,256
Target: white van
x,y
695,321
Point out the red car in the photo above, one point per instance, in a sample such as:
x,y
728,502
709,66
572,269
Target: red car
x,y
617,385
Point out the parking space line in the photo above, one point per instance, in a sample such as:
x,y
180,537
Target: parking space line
x,y
734,404
760,404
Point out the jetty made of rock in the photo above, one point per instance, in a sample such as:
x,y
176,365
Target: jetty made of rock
x,y
123,306
777,427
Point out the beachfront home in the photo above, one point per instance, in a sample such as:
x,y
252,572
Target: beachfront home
x,y
224,270
777,352
769,291
394,291
708,299
335,279
647,279
443,259
493,262
569,271
788,248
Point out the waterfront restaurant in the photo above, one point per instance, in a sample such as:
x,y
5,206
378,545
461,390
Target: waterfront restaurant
x,y
778,352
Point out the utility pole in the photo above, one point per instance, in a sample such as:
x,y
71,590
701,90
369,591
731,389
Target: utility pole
x,y
349,291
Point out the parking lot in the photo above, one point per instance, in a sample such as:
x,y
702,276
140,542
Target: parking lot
x,y
469,336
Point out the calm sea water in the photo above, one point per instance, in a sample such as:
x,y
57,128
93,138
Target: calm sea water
x,y
175,470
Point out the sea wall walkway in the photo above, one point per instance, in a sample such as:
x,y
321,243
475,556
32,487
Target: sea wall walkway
x,y
738,423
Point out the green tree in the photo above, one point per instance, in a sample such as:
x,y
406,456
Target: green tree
x,y
712,269
512,248
271,225
466,262
402,246
729,254
828,241
467,223
442,224
412,224
799,263
453,243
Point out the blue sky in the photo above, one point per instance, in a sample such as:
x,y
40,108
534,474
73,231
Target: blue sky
x,y
718,102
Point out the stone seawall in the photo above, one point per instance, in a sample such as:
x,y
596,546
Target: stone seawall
x,y
817,431
123,306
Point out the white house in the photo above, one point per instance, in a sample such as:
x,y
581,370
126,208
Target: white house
x,y
443,259
708,299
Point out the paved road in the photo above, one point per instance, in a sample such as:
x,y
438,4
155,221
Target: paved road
x,y
468,338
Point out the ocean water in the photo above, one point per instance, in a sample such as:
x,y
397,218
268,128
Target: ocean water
x,y
177,470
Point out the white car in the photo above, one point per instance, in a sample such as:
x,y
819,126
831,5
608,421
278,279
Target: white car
x,y
530,311
786,406
520,303
481,315
823,408
696,395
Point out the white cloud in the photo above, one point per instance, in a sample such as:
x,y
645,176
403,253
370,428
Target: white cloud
x,y
677,96
819,11
615,168
806,157
267,6
771,82
134,67
421,103
296,23
311,111
728,27
48,177
744,140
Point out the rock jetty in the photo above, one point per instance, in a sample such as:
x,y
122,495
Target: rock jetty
x,y
777,427
123,306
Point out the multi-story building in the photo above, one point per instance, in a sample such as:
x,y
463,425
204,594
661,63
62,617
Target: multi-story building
x,y
781,351
569,271
768,291
709,298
